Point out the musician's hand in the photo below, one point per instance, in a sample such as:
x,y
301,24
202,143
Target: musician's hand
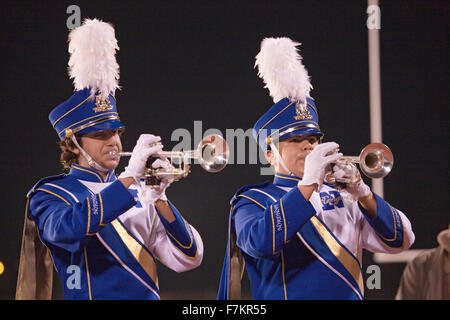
x,y
316,163
160,192
346,172
358,190
146,146
349,174
361,192
153,194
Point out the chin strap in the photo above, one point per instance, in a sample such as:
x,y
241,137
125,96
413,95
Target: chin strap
x,y
280,159
89,159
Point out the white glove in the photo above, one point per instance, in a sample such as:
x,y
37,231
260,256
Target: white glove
x,y
146,145
152,194
349,174
346,172
358,190
316,163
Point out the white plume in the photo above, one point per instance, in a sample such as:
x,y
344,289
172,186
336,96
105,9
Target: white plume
x,y
280,66
92,63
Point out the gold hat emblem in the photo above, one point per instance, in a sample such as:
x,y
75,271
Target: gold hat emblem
x,y
302,111
102,105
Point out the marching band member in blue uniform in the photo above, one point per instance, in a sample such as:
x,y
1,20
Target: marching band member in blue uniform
x,y
298,237
102,233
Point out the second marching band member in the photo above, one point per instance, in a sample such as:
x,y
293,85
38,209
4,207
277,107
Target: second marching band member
x,y
103,234
298,237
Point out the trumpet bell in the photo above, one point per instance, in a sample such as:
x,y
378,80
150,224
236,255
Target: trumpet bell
x,y
213,153
376,160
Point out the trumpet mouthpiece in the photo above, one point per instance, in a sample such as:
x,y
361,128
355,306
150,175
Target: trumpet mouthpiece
x,y
114,154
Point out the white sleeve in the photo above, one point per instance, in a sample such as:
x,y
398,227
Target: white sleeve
x,y
389,232
171,251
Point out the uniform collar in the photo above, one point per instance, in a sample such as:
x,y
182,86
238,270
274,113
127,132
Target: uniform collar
x,y
285,180
89,174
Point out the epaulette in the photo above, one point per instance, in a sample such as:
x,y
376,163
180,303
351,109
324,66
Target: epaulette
x,y
261,194
44,181
62,186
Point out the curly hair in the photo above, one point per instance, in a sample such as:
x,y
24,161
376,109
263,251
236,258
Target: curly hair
x,y
67,157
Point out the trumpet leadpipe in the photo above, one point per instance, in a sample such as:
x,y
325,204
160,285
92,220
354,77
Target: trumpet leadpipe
x,y
191,154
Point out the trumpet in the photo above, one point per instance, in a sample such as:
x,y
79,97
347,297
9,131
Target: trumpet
x,y
375,161
212,153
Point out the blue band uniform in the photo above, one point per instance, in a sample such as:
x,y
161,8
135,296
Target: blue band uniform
x,y
94,226
298,249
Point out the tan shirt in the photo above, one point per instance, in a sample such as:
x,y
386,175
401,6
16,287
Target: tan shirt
x,y
427,277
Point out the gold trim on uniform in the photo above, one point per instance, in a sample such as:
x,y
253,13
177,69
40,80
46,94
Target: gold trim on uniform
x,y
140,254
56,195
88,171
87,273
284,274
89,219
384,244
395,228
284,221
101,224
90,123
241,195
273,231
191,236
306,125
289,178
65,114
290,104
347,260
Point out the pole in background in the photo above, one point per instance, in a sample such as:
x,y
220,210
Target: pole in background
x,y
373,27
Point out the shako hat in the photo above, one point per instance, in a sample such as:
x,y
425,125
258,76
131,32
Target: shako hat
x,y
294,112
95,73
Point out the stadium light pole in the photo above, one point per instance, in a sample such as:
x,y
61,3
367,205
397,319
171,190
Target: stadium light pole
x,y
373,27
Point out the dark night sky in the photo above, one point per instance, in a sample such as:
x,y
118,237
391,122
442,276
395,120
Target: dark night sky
x,y
193,61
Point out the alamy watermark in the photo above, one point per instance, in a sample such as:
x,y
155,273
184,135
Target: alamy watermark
x,y
73,281
373,281
242,145
74,20
373,17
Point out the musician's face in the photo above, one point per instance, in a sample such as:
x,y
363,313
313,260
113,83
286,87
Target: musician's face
x,y
98,145
294,151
